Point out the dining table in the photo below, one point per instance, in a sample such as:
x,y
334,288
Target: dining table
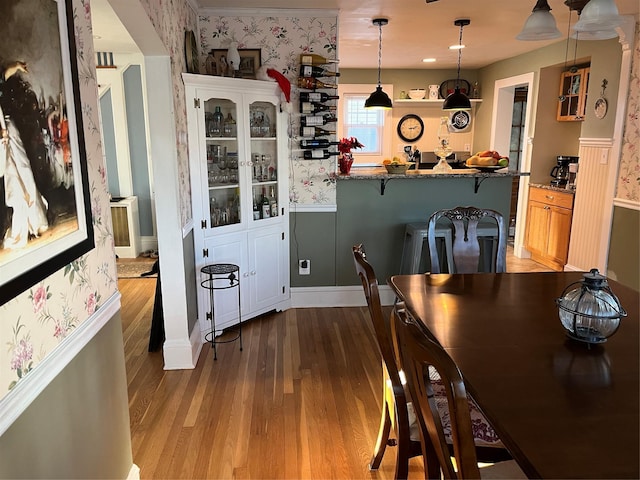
x,y
563,408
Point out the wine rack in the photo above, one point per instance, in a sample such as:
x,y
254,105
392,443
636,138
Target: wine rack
x,y
318,110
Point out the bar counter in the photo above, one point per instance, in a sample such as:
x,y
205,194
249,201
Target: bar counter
x,y
380,173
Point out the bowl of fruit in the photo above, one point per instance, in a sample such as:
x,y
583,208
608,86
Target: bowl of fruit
x,y
487,161
396,165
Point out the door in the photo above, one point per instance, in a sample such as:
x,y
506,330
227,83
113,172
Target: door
x,y
268,266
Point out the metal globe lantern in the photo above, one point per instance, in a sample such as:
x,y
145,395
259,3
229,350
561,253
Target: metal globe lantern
x,y
589,311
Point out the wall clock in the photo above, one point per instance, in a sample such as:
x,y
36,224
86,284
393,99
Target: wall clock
x,y
410,128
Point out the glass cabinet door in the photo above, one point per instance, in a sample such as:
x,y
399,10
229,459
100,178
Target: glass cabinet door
x,y
264,160
223,177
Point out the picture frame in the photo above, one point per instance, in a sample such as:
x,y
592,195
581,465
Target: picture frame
x,y
250,62
45,210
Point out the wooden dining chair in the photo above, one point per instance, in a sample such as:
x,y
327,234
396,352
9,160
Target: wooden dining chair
x,y
395,411
466,234
418,354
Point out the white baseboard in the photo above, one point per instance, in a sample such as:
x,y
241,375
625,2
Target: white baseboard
x,y
148,243
347,296
134,473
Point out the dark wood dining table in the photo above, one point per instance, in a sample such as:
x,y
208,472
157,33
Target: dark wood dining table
x,y
563,410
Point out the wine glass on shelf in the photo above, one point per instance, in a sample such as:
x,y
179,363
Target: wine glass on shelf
x,y
443,148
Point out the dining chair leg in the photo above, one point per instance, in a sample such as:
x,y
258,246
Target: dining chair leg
x,y
403,453
383,436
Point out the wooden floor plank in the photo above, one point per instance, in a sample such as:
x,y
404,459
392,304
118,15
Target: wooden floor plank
x,y
301,401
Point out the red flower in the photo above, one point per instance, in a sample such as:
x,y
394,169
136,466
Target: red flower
x,y
346,144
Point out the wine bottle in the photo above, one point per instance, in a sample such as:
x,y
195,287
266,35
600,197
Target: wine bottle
x,y
313,83
265,208
315,132
256,211
315,120
314,59
318,154
273,202
316,97
312,107
315,72
217,121
317,143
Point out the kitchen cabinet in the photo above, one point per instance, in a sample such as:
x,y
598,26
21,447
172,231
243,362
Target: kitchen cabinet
x,y
572,101
239,185
549,215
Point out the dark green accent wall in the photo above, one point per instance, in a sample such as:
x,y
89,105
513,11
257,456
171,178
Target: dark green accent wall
x,y
109,139
78,427
624,254
313,237
190,273
379,221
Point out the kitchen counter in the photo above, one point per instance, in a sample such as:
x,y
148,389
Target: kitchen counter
x,y
552,187
380,173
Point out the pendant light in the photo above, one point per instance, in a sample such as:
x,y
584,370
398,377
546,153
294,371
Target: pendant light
x,y
379,99
541,25
458,100
598,16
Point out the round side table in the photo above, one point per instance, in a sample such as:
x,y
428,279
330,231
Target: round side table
x,y
221,276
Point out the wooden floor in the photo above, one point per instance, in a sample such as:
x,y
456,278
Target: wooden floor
x,y
301,401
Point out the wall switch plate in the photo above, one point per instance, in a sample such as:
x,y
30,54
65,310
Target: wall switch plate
x,y
304,267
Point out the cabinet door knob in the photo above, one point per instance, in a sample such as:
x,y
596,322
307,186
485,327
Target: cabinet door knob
x,y
549,197
245,275
547,207
253,272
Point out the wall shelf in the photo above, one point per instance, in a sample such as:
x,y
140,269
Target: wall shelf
x,y
425,102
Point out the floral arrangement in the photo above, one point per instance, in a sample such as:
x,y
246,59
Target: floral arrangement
x,y
346,144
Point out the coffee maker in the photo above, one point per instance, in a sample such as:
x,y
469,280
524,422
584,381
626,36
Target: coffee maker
x,y
561,173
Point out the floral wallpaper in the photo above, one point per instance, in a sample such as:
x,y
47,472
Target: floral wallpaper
x,y
171,18
629,173
34,323
282,40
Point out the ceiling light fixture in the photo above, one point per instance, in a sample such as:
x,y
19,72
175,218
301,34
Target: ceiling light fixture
x,y
458,100
379,99
597,18
541,25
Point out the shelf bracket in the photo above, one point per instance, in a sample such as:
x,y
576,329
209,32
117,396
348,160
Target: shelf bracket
x,y
383,185
477,181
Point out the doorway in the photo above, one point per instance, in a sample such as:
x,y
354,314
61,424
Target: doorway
x,y
504,105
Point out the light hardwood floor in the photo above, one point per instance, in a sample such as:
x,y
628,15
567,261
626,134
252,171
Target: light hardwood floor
x,y
302,400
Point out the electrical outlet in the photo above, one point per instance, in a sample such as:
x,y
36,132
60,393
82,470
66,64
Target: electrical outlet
x,y
467,147
304,267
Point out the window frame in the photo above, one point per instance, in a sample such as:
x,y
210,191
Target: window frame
x,y
365,159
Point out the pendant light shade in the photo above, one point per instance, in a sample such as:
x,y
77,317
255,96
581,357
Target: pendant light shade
x,y
379,99
541,25
598,16
458,100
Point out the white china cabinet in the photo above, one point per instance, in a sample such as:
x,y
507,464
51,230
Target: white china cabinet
x,y
239,182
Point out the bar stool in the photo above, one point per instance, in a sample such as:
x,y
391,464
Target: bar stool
x,y
414,236
221,276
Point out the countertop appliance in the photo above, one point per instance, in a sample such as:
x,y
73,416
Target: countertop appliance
x,y
560,172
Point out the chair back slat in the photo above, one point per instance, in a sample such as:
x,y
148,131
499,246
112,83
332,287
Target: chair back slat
x,y
418,352
466,246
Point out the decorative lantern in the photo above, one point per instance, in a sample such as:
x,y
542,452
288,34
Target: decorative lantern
x,y
589,311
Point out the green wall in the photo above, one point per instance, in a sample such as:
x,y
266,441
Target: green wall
x,y
379,221
78,427
624,251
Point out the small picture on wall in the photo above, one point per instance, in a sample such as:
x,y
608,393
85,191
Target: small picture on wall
x,y
250,60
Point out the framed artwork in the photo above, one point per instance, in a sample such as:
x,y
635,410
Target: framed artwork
x,y
250,61
45,209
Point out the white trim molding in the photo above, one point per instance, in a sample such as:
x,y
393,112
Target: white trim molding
x,y
624,203
315,208
268,12
27,390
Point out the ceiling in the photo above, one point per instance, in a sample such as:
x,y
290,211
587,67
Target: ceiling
x,y
416,29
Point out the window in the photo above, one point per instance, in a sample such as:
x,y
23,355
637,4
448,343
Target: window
x,y
367,125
